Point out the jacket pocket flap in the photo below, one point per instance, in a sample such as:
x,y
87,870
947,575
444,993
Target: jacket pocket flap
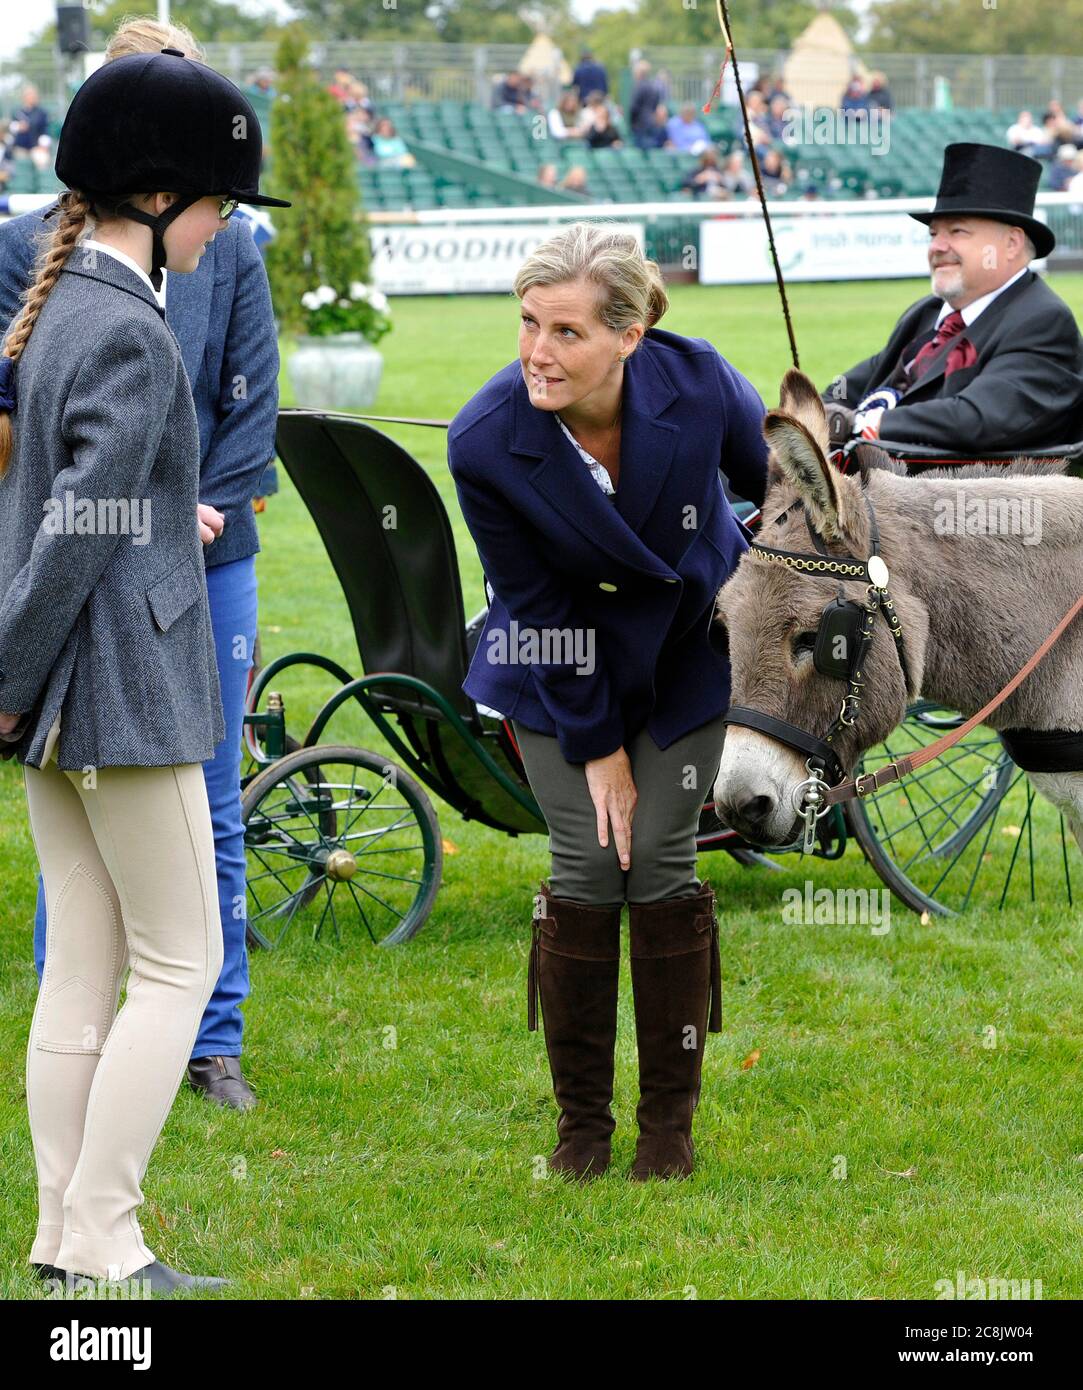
x,y
174,593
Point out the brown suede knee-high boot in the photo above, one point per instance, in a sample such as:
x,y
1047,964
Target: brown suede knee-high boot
x,y
574,965
676,984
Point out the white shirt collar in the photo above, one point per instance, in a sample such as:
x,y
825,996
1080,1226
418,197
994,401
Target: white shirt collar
x,y
971,312
132,265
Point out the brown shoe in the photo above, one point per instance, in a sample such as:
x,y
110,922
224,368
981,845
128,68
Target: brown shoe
x,y
574,964
676,985
220,1080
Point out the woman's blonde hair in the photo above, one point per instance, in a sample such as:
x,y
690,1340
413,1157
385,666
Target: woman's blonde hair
x,y
135,35
141,35
630,285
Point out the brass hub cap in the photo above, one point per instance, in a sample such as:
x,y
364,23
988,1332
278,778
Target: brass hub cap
x,y
340,865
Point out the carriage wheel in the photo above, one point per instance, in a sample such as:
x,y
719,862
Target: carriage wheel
x,y
339,835
966,829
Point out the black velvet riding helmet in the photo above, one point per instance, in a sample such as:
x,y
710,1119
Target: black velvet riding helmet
x,y
157,122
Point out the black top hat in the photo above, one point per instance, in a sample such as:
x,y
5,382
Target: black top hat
x,y
987,181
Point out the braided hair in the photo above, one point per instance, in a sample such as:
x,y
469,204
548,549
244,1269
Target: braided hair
x,y
75,208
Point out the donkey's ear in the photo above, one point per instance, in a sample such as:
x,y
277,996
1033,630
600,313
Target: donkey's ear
x,y
799,399
801,462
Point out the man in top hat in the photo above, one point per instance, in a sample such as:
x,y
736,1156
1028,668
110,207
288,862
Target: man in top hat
x,y
992,360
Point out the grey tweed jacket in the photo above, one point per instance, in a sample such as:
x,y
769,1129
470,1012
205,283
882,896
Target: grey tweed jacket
x,y
103,599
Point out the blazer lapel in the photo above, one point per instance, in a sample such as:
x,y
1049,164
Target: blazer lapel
x,y
647,449
978,333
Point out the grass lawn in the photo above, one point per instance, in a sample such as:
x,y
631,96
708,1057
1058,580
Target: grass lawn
x,y
858,1136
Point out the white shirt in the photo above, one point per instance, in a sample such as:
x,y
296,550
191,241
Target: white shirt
x,y
865,418
598,471
132,265
971,312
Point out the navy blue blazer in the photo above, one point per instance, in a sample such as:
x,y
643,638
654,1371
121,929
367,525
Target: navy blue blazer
x,y
636,579
222,319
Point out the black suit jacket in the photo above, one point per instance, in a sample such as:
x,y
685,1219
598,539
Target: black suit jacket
x,y
1024,391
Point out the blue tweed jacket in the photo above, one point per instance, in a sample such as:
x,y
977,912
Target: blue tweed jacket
x,y
222,318
636,580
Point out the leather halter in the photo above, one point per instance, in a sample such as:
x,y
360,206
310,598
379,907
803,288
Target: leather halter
x,y
819,751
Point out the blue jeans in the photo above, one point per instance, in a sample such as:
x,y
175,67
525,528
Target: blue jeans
x,y
231,589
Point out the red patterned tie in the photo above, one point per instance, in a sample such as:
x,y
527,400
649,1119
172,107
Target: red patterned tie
x,y
952,324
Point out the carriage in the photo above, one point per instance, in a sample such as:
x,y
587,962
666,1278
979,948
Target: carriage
x,y
338,832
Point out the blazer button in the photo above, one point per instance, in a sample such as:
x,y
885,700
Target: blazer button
x,y
609,588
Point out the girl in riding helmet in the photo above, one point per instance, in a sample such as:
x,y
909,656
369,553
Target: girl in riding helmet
x,y
109,692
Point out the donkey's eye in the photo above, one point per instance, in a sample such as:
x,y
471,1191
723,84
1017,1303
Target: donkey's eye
x,y
804,643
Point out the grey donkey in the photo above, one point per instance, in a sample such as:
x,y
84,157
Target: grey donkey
x,y
974,601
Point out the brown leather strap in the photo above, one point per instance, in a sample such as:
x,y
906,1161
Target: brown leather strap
x,y
870,782
532,982
714,1016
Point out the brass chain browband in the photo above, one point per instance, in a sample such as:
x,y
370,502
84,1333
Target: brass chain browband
x,y
820,751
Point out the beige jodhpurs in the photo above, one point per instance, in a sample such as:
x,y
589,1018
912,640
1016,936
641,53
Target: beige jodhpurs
x,y
127,856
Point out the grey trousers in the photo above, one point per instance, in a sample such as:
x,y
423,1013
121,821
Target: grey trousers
x,y
672,786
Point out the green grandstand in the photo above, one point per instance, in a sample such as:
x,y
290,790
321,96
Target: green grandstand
x,y
470,156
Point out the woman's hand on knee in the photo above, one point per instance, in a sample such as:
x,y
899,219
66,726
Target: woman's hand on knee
x,y
609,781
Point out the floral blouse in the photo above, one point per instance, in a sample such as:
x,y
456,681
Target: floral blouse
x,y
598,471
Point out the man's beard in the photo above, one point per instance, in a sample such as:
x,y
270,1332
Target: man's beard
x,y
951,287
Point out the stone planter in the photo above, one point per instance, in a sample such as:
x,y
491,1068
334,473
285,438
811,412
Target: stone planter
x,y
340,371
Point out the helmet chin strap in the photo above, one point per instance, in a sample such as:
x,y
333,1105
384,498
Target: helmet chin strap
x,y
158,227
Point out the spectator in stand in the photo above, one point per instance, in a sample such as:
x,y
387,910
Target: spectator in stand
x,y
262,84
777,113
389,147
568,120
775,174
647,96
547,175
879,96
687,133
1024,135
29,124
509,94
1075,183
360,99
855,97
656,136
530,100
359,129
603,134
340,86
1057,124
776,89
759,119
1063,169
706,181
575,181
590,75
596,103
736,178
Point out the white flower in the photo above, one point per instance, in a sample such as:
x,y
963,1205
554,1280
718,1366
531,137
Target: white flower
x,y
311,300
343,303
358,290
378,300
326,294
